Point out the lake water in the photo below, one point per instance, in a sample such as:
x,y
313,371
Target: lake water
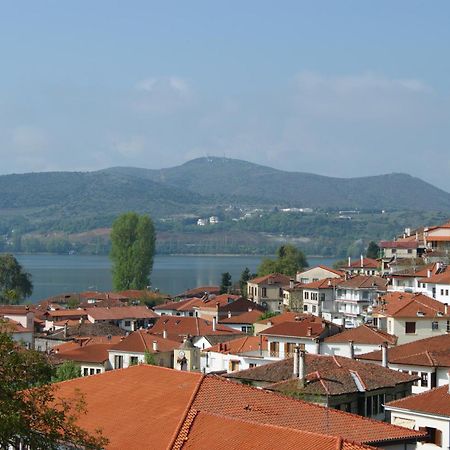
x,y
57,274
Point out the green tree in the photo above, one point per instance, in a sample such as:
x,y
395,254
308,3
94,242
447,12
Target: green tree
x,y
31,415
245,276
132,250
373,250
289,261
225,284
15,284
67,371
149,358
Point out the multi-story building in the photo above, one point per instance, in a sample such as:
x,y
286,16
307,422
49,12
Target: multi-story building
x,y
267,290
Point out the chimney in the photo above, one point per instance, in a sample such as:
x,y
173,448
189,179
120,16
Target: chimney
x,y
317,342
428,273
446,308
349,261
352,349
291,283
214,323
362,261
384,354
164,334
229,314
155,346
65,330
301,368
296,360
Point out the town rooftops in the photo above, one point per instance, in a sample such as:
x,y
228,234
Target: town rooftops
x,y
17,310
408,305
429,352
199,291
190,304
155,402
440,275
177,327
362,335
325,375
435,402
364,282
329,269
12,326
272,278
121,312
142,341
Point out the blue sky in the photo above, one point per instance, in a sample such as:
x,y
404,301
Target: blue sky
x,y
340,88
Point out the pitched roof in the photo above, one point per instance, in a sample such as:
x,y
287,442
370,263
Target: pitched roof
x,y
122,312
12,326
326,283
362,335
155,402
436,401
193,326
399,244
329,269
248,317
408,305
203,430
89,349
239,345
18,310
429,352
199,291
142,340
364,282
326,375
301,329
272,278
288,316
440,275
367,263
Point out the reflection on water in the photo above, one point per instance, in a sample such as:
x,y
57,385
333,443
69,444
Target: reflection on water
x,y
56,274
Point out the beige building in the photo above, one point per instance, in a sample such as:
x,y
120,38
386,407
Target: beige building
x,y
267,291
411,317
318,273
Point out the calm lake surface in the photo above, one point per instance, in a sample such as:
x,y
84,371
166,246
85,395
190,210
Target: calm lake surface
x,y
57,274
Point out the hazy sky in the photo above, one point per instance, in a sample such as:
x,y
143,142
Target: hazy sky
x,y
340,88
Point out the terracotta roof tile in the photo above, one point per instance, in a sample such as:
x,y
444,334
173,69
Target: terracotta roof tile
x,y
248,317
288,316
367,263
273,278
239,345
142,340
362,335
364,281
430,352
436,401
122,312
326,283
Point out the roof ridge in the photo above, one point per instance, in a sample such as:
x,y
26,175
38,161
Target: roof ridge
x,y
174,439
143,341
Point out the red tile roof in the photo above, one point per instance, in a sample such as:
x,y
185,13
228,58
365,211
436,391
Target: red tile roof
x,y
364,282
248,317
326,283
329,269
438,276
11,326
408,305
142,340
154,403
199,291
288,316
273,278
362,335
301,329
122,312
202,430
367,263
436,401
239,345
430,352
399,244
193,326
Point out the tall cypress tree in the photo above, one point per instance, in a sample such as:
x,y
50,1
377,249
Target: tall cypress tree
x,y
132,250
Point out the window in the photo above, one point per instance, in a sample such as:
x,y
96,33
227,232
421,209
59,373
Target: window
x,y
128,323
134,360
118,361
251,365
234,365
91,371
85,372
322,297
435,325
263,292
409,251
434,435
446,292
416,383
394,250
98,370
290,348
442,291
305,308
448,326
306,295
424,379
365,295
410,327
274,349
314,309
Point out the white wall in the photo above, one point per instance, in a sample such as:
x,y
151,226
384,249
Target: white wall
x,y
343,349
